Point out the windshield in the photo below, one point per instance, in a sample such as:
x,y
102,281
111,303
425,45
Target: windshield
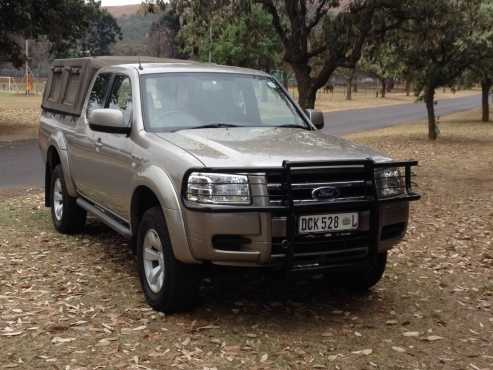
x,y
177,101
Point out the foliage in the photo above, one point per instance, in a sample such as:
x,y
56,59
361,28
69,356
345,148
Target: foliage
x,y
481,68
102,32
246,39
62,23
163,36
135,27
381,60
438,42
320,36
235,32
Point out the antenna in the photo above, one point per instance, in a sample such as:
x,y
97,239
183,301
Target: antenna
x,y
140,64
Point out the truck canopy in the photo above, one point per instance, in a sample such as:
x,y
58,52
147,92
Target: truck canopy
x,y
69,80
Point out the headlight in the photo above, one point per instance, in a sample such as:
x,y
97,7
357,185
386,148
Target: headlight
x,y
218,188
389,182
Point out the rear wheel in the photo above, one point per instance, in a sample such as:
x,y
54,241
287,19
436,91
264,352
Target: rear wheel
x,y
67,216
364,279
169,285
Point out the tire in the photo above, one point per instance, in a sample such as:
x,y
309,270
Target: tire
x,y
169,285
363,280
67,216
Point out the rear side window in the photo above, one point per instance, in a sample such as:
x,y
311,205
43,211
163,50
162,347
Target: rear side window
x,y
98,93
121,96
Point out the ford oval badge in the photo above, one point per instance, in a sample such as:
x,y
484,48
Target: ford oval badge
x,y
326,193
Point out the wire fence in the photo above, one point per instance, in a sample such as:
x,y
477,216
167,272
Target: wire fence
x,y
17,85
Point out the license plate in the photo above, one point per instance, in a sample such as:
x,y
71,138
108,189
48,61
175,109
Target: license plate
x,y
327,223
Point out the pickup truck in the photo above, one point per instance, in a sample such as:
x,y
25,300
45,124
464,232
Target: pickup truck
x,y
201,164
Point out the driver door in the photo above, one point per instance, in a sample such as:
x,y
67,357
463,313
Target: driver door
x,y
113,169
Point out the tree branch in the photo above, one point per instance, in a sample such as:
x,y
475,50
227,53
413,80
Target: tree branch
x,y
276,21
319,13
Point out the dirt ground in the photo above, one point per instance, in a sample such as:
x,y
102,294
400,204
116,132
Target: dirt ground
x,y
74,302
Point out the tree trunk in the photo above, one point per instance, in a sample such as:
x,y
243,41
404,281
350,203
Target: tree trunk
x,y
307,97
429,97
408,87
384,88
307,92
285,80
349,87
485,88
355,86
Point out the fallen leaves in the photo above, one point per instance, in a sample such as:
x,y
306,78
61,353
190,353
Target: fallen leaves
x,y
432,338
60,340
365,352
411,334
398,349
434,304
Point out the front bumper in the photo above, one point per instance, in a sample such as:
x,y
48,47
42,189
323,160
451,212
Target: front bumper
x,y
258,238
263,235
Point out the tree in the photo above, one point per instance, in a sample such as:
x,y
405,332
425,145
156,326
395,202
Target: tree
x,y
102,32
320,36
235,32
163,35
246,40
60,22
381,60
481,69
439,42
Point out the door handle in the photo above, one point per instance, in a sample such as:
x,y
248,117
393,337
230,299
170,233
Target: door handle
x,y
135,157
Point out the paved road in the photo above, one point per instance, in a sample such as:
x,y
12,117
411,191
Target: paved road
x,y
345,122
20,163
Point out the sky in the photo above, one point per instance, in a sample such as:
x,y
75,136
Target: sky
x,y
119,2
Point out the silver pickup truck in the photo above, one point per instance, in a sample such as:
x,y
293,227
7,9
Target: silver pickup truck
x,y
204,164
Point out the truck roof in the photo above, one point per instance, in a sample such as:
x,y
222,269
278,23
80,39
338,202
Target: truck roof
x,y
69,79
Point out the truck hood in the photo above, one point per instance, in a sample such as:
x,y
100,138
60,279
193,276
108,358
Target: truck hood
x,y
265,147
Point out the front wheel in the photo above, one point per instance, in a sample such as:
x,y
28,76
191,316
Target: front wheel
x,y
67,216
169,285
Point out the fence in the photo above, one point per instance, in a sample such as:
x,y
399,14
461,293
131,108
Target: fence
x,y
17,85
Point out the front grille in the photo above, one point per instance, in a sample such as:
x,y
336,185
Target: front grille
x,y
350,182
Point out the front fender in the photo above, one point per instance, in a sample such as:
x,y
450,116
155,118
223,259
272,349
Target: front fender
x,y
162,186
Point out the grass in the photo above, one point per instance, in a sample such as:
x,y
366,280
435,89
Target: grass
x,y
19,116
366,98
75,301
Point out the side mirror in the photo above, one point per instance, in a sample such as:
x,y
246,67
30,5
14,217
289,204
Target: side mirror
x,y
317,118
108,120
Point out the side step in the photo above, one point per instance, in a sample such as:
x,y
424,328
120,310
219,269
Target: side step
x,y
104,217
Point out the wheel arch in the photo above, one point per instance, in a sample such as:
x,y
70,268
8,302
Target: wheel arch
x,y
156,189
52,160
57,153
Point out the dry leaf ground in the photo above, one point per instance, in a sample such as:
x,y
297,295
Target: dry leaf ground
x,y
72,302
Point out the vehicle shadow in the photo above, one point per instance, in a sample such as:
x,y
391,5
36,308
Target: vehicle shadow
x,y
254,296
263,295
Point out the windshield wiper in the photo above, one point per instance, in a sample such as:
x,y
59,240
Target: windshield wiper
x,y
292,126
213,125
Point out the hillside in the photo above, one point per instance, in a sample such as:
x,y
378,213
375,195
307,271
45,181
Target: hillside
x,y
135,26
122,10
